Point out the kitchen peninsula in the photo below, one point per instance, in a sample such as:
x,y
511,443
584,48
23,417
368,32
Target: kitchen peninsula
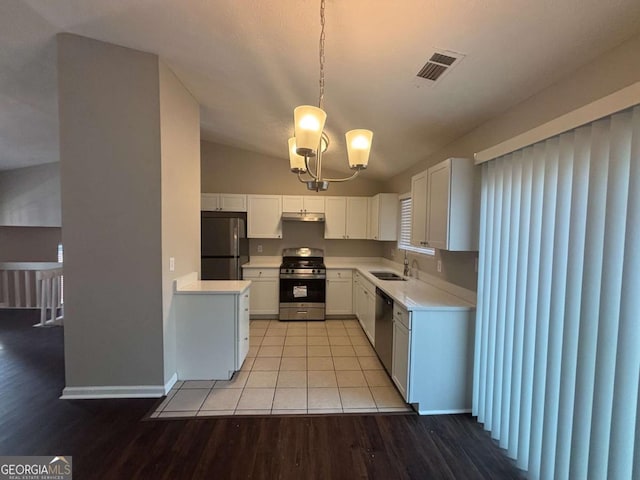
x,y
212,327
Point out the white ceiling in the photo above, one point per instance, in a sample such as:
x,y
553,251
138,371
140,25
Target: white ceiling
x,y
250,62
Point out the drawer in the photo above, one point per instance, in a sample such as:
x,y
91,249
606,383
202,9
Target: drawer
x,y
368,285
339,274
401,315
301,313
249,273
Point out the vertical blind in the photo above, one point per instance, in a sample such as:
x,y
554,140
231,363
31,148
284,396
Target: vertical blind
x,y
557,353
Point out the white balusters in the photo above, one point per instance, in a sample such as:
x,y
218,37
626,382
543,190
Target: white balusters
x,y
17,282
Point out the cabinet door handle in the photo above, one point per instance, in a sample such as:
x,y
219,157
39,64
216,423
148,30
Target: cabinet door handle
x,y
246,296
246,338
246,309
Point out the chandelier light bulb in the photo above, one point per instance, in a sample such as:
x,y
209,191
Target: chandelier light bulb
x,y
360,142
308,122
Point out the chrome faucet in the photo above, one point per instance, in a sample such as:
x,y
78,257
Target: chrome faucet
x,y
406,272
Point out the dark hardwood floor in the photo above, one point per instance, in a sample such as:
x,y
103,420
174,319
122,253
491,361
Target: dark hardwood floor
x,y
108,439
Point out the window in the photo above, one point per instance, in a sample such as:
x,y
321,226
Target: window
x,y
404,234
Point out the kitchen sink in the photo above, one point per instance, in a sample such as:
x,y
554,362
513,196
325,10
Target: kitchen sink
x,y
388,276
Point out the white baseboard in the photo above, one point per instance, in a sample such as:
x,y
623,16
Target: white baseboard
x,y
169,385
137,391
444,412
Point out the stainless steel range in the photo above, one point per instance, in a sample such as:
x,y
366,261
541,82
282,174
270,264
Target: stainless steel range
x,y
302,284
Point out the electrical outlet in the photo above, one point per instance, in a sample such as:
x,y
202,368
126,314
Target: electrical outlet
x,y
393,253
259,248
439,266
172,264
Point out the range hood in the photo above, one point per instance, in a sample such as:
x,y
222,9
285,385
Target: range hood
x,y
302,217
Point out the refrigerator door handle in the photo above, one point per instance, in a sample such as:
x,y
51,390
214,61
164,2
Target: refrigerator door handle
x,y
236,252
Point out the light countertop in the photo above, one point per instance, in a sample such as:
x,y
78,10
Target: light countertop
x,y
213,287
413,294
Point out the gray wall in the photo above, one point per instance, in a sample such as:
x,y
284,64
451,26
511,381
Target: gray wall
x,y
29,244
233,170
30,197
180,146
304,234
111,211
616,69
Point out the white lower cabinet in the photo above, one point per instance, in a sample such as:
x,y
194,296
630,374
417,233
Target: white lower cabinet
x,y
339,292
364,294
400,362
433,359
212,335
265,290
243,328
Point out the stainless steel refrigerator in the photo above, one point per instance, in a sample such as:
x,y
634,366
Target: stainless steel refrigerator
x,y
224,245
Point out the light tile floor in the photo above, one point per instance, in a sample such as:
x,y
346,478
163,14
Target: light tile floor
x,y
294,368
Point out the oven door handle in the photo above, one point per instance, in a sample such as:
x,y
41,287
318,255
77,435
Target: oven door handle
x,y
294,276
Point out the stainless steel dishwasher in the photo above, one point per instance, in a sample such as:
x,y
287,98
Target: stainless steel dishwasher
x,y
384,328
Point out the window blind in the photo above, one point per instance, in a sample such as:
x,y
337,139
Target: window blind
x,y
404,233
557,357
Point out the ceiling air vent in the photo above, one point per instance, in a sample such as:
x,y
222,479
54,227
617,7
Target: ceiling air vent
x,y
440,62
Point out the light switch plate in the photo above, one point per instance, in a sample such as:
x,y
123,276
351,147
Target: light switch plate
x,y
439,266
172,264
259,248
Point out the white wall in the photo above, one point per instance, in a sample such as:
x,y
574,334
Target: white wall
x,y
180,148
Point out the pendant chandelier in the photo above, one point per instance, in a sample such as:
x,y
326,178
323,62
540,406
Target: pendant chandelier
x,y
310,140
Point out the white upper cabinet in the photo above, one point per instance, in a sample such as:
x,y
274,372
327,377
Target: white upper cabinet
x,y
346,217
443,206
223,202
335,220
209,202
313,204
357,217
451,205
264,216
419,209
302,204
383,217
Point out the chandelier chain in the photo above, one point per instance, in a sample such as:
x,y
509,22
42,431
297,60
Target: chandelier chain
x,y
322,37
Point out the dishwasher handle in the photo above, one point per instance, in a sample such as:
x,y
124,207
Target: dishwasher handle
x,y
386,298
